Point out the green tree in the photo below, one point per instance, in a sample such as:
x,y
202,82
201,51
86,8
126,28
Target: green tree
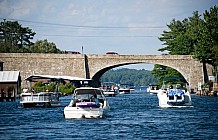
x,y
215,50
163,72
51,86
66,88
211,24
194,36
177,40
43,46
15,38
39,87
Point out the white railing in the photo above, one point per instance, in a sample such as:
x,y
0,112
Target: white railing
x,y
36,98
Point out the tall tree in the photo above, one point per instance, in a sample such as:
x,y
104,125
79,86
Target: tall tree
x,y
14,37
176,40
215,50
194,36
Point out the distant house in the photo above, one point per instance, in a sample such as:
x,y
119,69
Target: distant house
x,y
10,82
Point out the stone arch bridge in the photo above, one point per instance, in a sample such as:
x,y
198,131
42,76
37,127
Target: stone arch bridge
x,y
94,66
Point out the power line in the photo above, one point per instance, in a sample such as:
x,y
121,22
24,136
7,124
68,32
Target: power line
x,y
92,27
93,36
89,26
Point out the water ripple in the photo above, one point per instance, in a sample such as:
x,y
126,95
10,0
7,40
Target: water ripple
x,y
132,116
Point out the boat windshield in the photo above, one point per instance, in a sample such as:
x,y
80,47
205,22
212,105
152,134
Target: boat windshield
x,y
84,96
87,96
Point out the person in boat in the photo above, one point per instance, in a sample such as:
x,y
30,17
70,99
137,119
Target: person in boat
x,y
171,86
33,91
179,91
96,99
171,92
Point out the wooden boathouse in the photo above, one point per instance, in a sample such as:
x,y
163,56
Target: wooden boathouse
x,y
10,82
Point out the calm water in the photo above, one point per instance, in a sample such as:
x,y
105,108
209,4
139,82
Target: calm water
x,y
132,116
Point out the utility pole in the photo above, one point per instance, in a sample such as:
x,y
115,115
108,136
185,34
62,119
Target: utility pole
x,y
215,71
4,32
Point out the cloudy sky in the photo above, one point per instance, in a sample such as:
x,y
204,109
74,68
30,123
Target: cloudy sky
x,y
123,26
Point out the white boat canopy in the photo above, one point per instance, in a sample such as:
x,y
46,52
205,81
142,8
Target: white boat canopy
x,y
70,78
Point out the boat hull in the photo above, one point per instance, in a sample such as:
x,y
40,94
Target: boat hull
x,y
124,91
152,91
80,112
111,92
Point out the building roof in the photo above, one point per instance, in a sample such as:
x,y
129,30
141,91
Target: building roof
x,y
9,76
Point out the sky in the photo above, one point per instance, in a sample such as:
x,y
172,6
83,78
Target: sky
x,y
98,26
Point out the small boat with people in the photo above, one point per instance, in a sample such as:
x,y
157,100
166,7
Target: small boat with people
x,y
124,88
174,95
34,98
153,88
87,102
110,88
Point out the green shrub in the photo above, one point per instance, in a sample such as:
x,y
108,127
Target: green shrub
x,y
66,89
51,86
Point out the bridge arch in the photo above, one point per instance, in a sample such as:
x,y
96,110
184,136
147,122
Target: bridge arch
x,y
185,64
98,74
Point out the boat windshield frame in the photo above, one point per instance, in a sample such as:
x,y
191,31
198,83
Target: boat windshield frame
x,y
88,93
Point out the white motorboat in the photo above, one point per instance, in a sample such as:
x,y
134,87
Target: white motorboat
x,y
110,89
87,102
153,89
124,88
41,99
174,97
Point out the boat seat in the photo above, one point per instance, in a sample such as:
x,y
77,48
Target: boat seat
x,y
179,97
171,97
101,101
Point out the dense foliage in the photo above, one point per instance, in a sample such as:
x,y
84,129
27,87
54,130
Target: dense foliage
x,y
39,87
129,76
14,37
192,36
52,87
43,46
66,88
17,39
